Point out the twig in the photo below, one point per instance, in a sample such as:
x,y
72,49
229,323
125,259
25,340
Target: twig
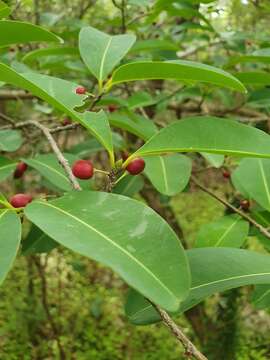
x,y
244,215
189,347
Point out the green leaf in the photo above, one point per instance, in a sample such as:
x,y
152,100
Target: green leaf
x,y
261,296
7,168
102,52
253,175
60,94
40,53
4,10
229,231
49,167
129,186
122,233
17,32
254,77
133,123
153,45
169,174
177,70
37,242
212,270
10,140
215,160
208,134
10,237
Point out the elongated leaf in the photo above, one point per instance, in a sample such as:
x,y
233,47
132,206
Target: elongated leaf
x,y
253,175
102,52
7,167
129,186
261,296
60,94
41,53
153,45
49,167
212,270
4,9
178,70
17,32
133,123
229,231
169,174
123,234
37,242
10,236
254,78
10,140
208,134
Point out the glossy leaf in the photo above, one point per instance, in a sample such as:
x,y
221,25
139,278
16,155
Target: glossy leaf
x,y
60,94
261,296
10,237
212,270
49,167
7,167
10,140
17,32
129,185
41,53
102,52
169,174
229,231
177,70
253,175
122,233
208,134
37,242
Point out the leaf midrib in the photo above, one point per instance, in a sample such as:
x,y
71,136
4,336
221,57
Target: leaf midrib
x,y
264,181
226,232
103,58
113,243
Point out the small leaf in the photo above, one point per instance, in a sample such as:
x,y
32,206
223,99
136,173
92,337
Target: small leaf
x,y
4,9
212,270
17,32
10,237
102,52
254,78
129,186
215,160
41,53
153,45
253,175
177,70
122,233
208,134
229,231
10,140
7,167
261,296
37,242
169,174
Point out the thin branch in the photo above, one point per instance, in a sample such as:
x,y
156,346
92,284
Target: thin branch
x,y
244,215
189,347
15,95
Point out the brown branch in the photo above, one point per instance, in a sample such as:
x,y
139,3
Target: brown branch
x,y
189,347
15,95
244,215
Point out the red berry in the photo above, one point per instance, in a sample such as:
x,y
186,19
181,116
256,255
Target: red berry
x,y
245,204
112,108
20,169
226,174
136,166
20,200
66,121
83,169
80,90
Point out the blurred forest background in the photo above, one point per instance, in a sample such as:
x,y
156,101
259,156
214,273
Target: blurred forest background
x,y
51,299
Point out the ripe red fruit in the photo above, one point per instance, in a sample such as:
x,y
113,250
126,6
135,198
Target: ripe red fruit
x,y
66,121
226,174
112,108
136,166
80,90
20,200
245,204
83,169
20,170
